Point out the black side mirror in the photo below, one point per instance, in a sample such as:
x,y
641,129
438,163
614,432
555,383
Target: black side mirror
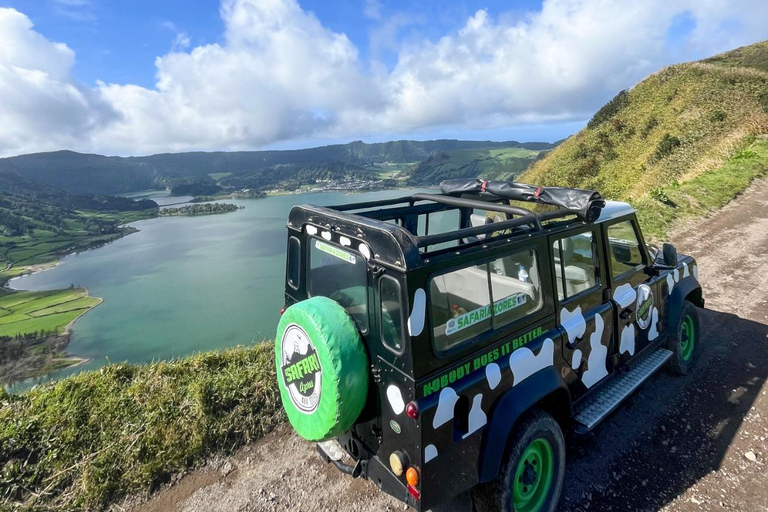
x,y
670,255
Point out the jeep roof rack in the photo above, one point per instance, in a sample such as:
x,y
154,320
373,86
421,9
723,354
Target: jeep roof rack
x,y
490,196
493,196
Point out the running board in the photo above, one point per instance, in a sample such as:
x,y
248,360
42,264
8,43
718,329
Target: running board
x,y
595,408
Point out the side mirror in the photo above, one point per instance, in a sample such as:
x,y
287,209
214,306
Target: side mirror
x,y
670,255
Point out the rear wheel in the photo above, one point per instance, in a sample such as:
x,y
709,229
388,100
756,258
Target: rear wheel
x,y
685,344
532,477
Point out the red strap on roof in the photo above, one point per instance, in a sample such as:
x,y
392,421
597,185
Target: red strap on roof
x,y
538,192
482,187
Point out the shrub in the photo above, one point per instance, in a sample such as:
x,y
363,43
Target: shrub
x,y
666,146
764,100
717,116
652,123
610,109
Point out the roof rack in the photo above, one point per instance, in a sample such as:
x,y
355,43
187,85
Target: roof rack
x,y
494,196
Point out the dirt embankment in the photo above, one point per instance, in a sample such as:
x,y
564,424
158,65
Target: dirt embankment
x,y
680,444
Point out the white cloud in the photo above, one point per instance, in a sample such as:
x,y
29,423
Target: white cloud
x,y
280,75
41,107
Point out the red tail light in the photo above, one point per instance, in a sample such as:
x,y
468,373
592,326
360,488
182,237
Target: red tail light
x,y
412,410
282,310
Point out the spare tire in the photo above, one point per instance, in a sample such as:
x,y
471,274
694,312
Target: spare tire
x,y
322,368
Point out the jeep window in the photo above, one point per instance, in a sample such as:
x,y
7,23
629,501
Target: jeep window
x,y
575,264
293,262
515,287
459,306
339,274
625,248
461,300
391,314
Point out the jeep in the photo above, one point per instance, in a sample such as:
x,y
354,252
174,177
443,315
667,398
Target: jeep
x,y
440,343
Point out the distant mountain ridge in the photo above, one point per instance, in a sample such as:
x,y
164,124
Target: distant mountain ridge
x,y
79,173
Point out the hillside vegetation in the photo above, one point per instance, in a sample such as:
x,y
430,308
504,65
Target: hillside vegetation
x,y
471,163
686,127
91,439
79,173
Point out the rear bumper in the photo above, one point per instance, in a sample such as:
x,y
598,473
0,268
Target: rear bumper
x,y
370,467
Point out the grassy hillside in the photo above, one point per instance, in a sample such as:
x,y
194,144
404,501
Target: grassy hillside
x,y
471,163
89,440
687,122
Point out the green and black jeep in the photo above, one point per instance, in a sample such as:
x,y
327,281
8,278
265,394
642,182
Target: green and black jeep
x,y
437,343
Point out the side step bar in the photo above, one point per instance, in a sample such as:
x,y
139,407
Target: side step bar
x,y
595,408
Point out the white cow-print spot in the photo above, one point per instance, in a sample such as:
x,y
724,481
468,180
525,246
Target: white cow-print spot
x,y
395,397
696,272
346,242
625,295
596,369
430,452
311,230
493,374
365,251
573,323
523,363
653,333
627,340
445,405
416,320
686,271
477,418
576,361
670,282
326,235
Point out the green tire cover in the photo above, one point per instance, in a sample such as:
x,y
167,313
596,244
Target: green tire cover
x,y
322,368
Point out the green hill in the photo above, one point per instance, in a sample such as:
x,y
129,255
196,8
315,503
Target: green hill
x,y
79,173
472,163
684,140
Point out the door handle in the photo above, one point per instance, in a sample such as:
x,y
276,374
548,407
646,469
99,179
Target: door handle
x,y
624,315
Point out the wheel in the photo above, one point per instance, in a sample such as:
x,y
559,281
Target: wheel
x,y
531,478
684,345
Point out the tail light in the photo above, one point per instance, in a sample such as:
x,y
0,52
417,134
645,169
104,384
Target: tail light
x,y
282,310
412,410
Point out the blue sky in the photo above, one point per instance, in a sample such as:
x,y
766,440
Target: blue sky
x,y
129,77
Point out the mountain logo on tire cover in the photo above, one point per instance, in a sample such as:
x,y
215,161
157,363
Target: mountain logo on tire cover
x,y
644,306
302,373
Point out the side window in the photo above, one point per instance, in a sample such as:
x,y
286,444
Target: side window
x,y
468,302
625,248
515,287
460,303
294,265
391,314
575,264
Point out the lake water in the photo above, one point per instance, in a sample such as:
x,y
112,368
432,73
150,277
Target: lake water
x,y
183,284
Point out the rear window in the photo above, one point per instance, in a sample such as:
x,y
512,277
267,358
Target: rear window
x,y
470,301
339,274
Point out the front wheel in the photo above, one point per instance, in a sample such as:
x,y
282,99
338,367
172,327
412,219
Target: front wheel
x,y
532,477
685,345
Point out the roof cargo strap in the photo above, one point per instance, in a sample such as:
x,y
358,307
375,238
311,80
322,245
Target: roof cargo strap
x,y
587,203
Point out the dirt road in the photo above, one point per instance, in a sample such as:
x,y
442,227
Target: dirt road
x,y
679,444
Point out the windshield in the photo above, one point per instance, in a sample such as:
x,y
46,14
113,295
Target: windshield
x,y
340,274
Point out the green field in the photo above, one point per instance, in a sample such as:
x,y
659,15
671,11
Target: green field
x,y
497,163
216,176
51,311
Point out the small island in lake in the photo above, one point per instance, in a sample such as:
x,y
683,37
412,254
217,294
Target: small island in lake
x,y
200,209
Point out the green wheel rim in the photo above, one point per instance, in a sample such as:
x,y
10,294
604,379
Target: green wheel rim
x,y
534,476
688,338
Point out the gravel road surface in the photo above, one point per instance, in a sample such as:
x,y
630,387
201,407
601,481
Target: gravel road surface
x,y
680,444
